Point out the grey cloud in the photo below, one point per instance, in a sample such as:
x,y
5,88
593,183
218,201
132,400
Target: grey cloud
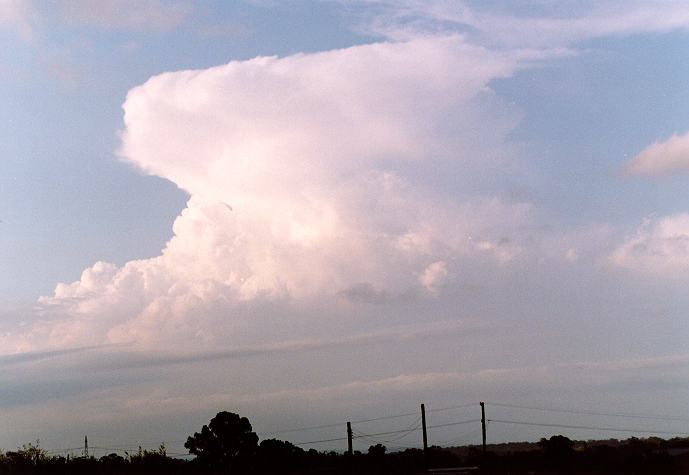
x,y
34,356
43,388
134,359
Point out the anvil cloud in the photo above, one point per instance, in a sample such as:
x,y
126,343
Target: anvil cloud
x,y
292,167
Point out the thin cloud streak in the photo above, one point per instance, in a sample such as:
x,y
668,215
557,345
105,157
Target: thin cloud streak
x,y
143,359
589,375
400,20
34,356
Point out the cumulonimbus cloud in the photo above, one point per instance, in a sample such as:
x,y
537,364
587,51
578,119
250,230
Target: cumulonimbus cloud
x,y
662,158
292,167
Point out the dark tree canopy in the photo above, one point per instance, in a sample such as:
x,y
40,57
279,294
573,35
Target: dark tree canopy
x,y
227,442
558,449
377,450
279,456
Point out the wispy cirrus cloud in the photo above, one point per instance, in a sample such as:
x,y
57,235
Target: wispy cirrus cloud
x,y
534,24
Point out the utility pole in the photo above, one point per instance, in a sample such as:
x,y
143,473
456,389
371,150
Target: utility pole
x,y
425,435
350,452
483,427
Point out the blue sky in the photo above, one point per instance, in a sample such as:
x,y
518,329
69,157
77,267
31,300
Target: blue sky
x,y
506,185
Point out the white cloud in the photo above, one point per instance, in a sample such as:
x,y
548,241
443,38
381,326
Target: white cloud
x,y
291,164
659,246
547,25
433,276
662,158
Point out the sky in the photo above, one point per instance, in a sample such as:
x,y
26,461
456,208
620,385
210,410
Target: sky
x,y
310,212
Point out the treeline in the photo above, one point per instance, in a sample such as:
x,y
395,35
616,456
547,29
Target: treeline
x,y
228,445
560,455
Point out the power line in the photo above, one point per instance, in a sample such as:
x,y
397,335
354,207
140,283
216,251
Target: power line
x,y
320,441
567,426
382,433
359,435
285,431
447,424
461,406
325,426
387,441
395,416
362,421
405,431
396,446
454,423
593,413
413,426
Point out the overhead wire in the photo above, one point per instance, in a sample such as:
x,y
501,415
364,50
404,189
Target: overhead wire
x,y
362,421
320,441
339,424
416,425
593,413
572,426
413,426
448,424
460,406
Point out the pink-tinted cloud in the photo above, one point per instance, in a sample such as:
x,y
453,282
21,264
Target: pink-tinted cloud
x,y
291,167
659,246
662,158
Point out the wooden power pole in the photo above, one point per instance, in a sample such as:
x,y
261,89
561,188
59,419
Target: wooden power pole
x,y
425,435
350,452
483,426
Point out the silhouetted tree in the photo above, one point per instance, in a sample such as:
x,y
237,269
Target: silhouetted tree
x,y
377,451
376,456
558,451
557,447
279,456
226,443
